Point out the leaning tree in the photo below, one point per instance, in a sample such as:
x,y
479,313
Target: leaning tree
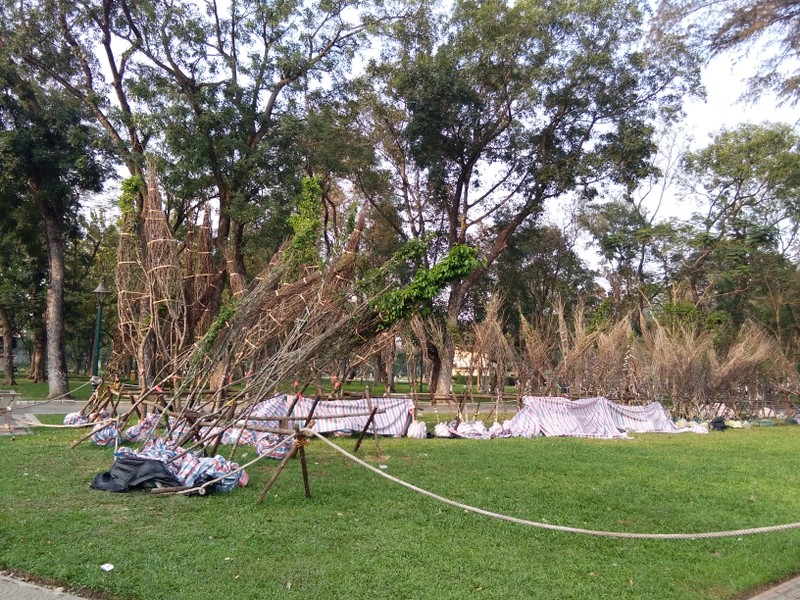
x,y
496,108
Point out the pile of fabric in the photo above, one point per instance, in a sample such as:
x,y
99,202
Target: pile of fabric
x,y
160,464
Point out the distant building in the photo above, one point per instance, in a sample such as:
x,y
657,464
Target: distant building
x,y
465,362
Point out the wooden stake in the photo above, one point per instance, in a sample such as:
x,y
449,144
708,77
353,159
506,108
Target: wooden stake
x,y
304,468
277,472
311,412
366,427
284,422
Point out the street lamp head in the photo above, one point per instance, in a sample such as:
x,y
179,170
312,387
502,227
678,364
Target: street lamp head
x,y
100,293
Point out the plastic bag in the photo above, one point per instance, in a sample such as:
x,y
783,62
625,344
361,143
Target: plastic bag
x,y
417,430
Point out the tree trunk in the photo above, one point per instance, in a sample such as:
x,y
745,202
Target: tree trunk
x,y
483,379
8,347
146,360
236,279
37,357
342,370
444,383
436,366
389,364
378,369
228,242
57,374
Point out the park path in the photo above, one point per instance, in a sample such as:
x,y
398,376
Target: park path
x,y
12,588
788,590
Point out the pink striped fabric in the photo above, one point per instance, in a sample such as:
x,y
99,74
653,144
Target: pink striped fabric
x,y
106,435
75,418
190,469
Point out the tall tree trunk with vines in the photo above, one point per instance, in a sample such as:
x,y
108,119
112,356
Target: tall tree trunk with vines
x,y
57,373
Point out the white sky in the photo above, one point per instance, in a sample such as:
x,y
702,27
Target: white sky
x,y
725,82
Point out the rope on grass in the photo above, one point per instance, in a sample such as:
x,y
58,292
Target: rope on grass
x,y
561,528
27,423
61,397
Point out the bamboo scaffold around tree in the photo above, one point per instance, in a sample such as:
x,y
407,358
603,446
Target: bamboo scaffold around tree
x,y
294,321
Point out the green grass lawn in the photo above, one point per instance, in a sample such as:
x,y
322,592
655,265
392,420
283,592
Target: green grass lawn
x,y
361,536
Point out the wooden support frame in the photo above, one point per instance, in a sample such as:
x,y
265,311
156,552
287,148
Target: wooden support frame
x,y
298,448
369,422
366,428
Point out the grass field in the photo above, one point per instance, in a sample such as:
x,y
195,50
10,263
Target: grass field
x,y
361,536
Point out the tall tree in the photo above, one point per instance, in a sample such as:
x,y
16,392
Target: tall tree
x,y
748,180
24,268
15,280
500,107
634,248
539,270
47,158
215,90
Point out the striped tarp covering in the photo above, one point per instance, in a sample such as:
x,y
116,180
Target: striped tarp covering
x,y
651,418
274,446
192,470
588,417
142,430
106,435
244,437
75,418
335,415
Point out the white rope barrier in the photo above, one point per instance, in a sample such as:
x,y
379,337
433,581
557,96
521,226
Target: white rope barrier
x,y
551,527
61,397
27,423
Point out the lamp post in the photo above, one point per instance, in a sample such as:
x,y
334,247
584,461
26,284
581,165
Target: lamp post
x,y
100,293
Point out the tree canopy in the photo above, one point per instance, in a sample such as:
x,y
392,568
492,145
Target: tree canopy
x,y
483,114
245,124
